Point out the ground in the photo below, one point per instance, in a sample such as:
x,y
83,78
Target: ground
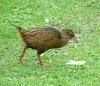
x,y
82,16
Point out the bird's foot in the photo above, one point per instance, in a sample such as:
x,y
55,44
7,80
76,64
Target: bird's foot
x,y
43,64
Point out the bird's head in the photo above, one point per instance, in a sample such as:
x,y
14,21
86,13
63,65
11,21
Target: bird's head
x,y
70,35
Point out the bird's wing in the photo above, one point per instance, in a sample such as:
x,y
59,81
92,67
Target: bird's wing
x,y
42,37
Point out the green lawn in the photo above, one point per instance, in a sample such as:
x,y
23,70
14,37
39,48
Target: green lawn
x,y
82,16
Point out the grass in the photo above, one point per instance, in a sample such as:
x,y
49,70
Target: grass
x,y
82,16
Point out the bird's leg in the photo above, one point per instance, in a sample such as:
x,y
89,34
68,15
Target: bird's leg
x,y
40,59
22,54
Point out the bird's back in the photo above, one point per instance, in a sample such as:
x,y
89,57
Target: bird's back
x,y
41,38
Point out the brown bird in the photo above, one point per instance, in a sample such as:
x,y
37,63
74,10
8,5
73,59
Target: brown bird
x,y
44,38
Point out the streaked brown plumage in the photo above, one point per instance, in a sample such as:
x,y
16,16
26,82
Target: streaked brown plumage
x,y
44,38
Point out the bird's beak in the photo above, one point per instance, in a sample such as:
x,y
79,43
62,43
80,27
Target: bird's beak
x,y
75,40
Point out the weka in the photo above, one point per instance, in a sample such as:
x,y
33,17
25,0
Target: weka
x,y
44,38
